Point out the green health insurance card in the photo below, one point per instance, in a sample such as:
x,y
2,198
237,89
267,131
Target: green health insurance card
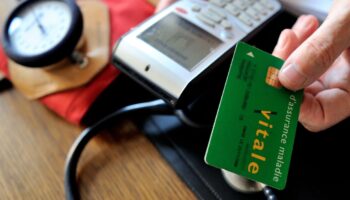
x,y
254,129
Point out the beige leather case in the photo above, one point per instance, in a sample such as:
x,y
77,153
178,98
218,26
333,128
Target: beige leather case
x,y
153,2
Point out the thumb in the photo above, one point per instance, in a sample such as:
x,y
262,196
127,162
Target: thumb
x,y
313,57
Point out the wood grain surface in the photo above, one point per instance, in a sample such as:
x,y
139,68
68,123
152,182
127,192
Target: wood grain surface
x,y
119,164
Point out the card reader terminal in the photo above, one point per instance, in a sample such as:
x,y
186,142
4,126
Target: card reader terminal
x,y
175,52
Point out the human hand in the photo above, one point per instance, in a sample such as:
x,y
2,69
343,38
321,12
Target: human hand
x,y
318,59
163,3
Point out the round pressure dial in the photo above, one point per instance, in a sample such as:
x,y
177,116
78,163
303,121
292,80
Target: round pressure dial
x,y
41,32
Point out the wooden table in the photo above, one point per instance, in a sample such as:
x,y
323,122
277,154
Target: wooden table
x,y
34,143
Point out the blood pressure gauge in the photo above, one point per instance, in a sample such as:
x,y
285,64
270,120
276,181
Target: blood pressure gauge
x,y
42,32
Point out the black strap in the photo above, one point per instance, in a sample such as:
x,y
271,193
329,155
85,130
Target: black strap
x,y
4,83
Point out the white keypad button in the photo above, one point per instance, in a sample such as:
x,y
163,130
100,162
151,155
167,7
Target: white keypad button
x,y
233,9
255,15
220,3
240,4
226,24
245,19
259,8
205,20
196,8
212,16
267,4
216,12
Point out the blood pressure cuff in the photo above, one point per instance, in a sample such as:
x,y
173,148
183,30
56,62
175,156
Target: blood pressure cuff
x,y
73,104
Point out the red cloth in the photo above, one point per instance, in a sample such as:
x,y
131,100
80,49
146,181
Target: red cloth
x,y
73,104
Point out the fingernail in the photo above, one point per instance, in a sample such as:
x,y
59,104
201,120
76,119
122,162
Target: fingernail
x,y
300,21
303,22
293,79
282,40
301,18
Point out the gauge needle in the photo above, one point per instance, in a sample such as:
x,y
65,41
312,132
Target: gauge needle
x,y
41,27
